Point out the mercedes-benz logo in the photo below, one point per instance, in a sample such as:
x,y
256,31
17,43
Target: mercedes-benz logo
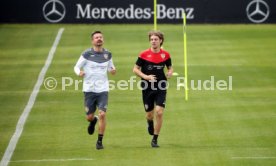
x,y
257,11
150,67
54,11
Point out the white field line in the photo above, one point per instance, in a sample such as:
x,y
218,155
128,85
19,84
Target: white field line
x,y
253,158
21,122
51,160
215,64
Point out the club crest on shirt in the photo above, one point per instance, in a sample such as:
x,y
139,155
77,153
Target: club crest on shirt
x,y
163,56
105,56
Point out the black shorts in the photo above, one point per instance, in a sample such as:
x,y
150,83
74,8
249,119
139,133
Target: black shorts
x,y
93,100
151,97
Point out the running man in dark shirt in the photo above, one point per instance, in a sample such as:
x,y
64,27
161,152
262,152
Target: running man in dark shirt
x,y
150,67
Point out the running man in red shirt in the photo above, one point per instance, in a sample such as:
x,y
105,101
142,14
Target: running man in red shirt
x,y
150,67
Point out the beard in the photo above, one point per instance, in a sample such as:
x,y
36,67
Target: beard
x,y
99,43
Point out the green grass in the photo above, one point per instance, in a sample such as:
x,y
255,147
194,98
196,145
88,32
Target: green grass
x,y
210,129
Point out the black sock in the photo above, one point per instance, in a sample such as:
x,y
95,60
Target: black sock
x,y
155,137
100,137
150,122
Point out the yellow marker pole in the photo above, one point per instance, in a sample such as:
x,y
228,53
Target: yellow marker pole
x,y
185,56
155,13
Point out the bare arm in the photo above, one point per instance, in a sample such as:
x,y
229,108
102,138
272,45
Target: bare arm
x,y
170,71
111,67
138,72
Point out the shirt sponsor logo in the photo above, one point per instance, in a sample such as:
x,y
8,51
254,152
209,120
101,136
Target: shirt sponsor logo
x,y
150,67
158,67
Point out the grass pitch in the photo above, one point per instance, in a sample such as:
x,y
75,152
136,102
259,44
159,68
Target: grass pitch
x,y
214,127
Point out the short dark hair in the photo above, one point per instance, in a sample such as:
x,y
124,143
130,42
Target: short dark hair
x,y
95,32
157,33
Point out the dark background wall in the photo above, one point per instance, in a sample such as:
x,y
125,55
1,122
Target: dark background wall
x,y
137,11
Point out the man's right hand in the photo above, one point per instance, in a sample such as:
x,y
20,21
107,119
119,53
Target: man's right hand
x,y
150,77
81,73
